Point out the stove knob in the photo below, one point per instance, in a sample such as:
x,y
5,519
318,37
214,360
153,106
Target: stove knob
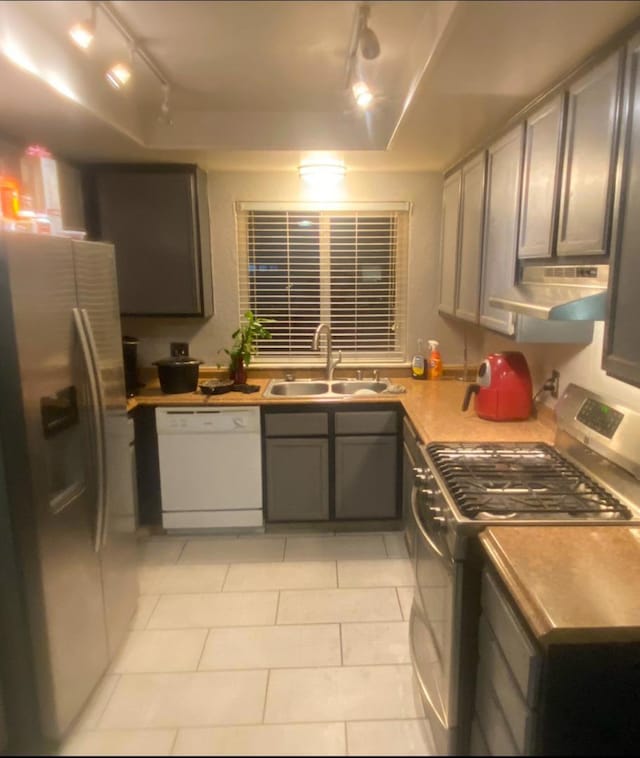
x,y
439,523
420,477
427,493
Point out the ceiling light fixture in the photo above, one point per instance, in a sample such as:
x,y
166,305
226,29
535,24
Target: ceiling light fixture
x,y
326,172
362,94
83,32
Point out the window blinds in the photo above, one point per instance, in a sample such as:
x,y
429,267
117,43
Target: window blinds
x,y
301,265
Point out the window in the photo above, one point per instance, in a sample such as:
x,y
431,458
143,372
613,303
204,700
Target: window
x,y
300,265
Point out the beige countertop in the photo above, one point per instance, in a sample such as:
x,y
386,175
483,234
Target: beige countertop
x,y
434,408
572,584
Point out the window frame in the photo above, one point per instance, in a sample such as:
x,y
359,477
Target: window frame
x,y
402,209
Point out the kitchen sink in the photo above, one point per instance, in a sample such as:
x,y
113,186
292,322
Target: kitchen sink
x,y
309,388
350,387
282,388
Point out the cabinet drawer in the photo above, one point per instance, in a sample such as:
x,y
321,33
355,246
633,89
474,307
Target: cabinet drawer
x,y
491,719
503,684
518,650
296,424
366,422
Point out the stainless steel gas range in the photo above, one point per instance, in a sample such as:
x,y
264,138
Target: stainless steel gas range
x,y
591,476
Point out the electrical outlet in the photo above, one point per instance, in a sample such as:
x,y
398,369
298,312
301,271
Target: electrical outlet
x,y
179,348
555,379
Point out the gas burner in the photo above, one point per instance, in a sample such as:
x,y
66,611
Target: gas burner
x,y
521,481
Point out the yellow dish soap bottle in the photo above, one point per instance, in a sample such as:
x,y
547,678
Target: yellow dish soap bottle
x,y
435,360
418,364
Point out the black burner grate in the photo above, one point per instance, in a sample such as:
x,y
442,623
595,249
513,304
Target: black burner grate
x,y
526,480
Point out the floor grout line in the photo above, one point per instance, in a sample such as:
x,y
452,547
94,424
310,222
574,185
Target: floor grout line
x,y
275,618
204,646
266,695
173,744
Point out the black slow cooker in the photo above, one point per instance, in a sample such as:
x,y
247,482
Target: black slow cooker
x,y
178,374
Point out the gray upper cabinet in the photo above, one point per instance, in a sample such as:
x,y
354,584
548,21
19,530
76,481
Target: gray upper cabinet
x,y
449,242
157,216
471,224
622,347
588,175
504,171
541,180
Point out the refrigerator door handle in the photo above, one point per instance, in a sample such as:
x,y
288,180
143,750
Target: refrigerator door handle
x,y
97,411
101,405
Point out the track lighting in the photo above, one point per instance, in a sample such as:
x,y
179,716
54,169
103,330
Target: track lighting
x,y
165,112
369,44
118,75
83,32
365,40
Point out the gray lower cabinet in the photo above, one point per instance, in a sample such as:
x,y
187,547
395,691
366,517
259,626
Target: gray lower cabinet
x,y
366,477
297,479
507,688
571,697
334,463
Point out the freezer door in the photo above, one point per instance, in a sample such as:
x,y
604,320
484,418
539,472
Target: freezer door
x,y
98,299
47,428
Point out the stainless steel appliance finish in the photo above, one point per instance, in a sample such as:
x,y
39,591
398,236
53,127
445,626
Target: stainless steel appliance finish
x,y
558,293
63,429
589,477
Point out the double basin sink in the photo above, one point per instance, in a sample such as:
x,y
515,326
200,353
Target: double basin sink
x,y
326,389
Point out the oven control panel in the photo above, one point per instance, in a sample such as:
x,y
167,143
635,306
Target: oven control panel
x,y
599,417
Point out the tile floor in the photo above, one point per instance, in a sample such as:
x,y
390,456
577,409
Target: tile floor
x,y
263,645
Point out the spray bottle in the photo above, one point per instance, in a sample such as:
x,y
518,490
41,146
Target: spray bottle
x,y
435,360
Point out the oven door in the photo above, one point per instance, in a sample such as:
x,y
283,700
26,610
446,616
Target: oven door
x,y
434,629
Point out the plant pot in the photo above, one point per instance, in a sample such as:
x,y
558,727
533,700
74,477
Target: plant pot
x,y
179,374
238,371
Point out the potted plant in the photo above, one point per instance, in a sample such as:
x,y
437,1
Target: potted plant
x,y
244,345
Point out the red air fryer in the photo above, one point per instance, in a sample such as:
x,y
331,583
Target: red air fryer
x,y
503,388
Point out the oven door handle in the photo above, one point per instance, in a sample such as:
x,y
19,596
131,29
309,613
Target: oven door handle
x,y
416,669
420,525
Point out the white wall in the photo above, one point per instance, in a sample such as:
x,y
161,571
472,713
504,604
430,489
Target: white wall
x,y
207,337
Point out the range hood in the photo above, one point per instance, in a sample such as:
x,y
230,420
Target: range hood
x,y
558,293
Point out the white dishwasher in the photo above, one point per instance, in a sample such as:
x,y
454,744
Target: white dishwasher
x,y
210,467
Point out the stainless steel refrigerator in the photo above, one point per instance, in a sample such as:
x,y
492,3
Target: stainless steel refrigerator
x,y
67,524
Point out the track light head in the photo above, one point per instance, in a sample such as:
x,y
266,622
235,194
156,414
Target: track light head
x,y
82,34
362,94
369,43
118,75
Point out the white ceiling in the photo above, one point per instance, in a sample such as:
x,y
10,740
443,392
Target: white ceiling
x,y
256,85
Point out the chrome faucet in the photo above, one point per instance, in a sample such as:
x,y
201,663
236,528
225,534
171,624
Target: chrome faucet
x,y
331,364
